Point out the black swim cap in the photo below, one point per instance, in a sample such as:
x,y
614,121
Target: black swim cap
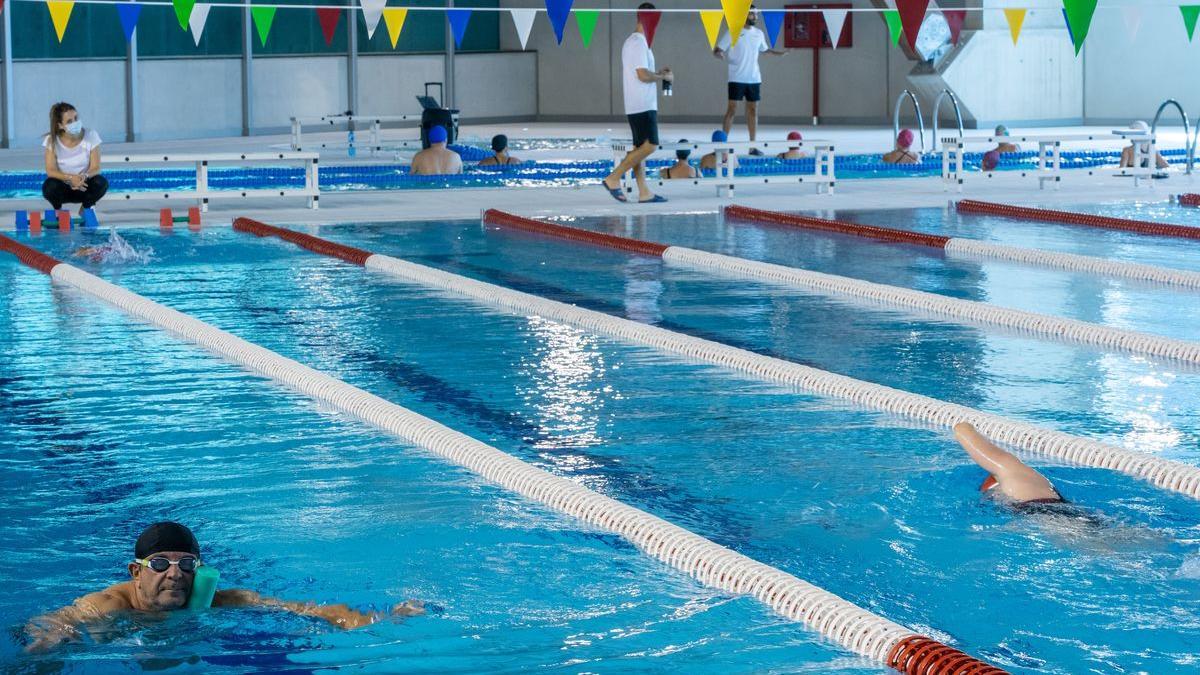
x,y
499,143
165,536
683,154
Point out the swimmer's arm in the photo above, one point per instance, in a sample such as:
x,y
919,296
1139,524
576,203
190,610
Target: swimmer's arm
x,y
341,616
54,628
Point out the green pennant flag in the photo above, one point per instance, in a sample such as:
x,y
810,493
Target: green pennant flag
x,y
1190,12
263,17
183,11
895,26
1079,16
586,20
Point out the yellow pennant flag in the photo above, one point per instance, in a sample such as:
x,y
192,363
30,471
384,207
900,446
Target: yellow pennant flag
x,y
60,14
394,18
1016,18
735,17
711,18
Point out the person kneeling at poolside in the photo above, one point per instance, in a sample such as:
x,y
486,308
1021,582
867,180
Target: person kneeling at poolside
x,y
72,161
709,161
793,151
500,156
1008,475
437,159
166,557
681,168
902,154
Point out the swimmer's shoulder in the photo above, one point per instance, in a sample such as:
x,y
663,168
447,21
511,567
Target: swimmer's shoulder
x,y
116,598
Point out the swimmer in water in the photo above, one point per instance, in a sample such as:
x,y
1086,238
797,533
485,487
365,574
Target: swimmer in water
x,y
1008,475
166,557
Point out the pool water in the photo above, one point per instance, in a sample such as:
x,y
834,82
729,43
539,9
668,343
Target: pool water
x,y
298,501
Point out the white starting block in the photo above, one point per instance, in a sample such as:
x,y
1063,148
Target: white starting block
x,y
202,194
726,179
350,121
1049,166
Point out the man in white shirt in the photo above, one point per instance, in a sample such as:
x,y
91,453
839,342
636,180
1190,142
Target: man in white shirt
x,y
640,87
745,79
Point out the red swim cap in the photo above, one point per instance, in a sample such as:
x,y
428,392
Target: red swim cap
x,y
905,139
988,483
795,136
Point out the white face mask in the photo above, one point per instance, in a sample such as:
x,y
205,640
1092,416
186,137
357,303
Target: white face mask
x,y
75,128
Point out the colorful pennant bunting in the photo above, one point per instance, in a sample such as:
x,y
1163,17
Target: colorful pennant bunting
x,y
458,19
736,12
60,14
263,18
1133,20
393,18
372,11
1079,17
773,21
1016,18
128,13
183,11
912,15
558,11
523,22
648,18
711,18
895,27
835,23
1190,12
954,20
585,20
197,20
328,17
1070,33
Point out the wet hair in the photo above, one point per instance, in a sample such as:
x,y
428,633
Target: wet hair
x,y
56,114
646,5
499,143
682,155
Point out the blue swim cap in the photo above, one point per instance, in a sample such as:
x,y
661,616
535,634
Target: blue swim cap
x,y
719,136
437,134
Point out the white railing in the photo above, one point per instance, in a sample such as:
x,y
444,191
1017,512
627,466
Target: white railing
x,y
1049,166
201,161
726,170
350,121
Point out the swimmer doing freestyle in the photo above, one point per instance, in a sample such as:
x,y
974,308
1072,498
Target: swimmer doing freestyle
x,y
1008,476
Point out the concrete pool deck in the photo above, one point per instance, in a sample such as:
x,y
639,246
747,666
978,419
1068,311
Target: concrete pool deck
x,y
590,200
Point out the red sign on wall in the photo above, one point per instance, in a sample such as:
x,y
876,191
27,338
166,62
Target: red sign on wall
x,y
804,26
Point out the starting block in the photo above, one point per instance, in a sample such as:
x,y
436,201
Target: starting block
x,y
167,220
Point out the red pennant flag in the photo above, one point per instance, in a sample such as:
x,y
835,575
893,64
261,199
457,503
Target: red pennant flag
x,y
329,17
955,19
912,15
649,20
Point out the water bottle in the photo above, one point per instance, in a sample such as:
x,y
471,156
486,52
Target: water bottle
x,y
350,140
667,88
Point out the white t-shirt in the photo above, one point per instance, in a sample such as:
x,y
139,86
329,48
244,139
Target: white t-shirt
x,y
639,96
74,160
743,57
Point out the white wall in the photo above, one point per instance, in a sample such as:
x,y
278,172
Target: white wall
x,y
296,87
500,85
97,90
189,98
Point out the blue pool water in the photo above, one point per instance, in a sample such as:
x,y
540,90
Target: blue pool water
x,y
111,424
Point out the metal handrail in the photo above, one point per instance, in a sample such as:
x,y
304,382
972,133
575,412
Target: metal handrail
x,y
896,116
937,106
1192,151
1189,145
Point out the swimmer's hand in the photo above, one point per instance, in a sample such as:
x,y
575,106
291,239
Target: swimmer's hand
x,y
46,634
340,615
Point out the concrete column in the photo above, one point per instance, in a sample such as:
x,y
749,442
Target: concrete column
x,y
352,57
6,79
247,71
449,67
133,120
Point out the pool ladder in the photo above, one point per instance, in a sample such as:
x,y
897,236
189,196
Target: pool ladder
x,y
916,108
1189,143
944,95
937,107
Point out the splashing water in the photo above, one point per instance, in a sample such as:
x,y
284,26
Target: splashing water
x,y
116,250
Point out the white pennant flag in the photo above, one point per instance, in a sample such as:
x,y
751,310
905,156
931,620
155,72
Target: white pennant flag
x,y
835,21
523,21
372,11
198,19
1133,19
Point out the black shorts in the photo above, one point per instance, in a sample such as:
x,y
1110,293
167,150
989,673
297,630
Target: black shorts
x,y
743,90
644,126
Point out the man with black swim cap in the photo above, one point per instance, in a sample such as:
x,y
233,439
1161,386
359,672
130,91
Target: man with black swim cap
x,y
166,557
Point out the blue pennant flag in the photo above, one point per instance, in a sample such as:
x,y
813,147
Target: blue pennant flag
x,y
458,23
129,13
1070,31
558,11
773,19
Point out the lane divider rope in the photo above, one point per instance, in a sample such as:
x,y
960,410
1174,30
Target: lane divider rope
x,y
1167,474
1189,199
851,626
1072,218
982,313
974,249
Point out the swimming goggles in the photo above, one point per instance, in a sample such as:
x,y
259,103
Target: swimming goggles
x,y
160,564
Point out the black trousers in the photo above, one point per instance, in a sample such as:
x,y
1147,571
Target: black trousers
x,y
59,192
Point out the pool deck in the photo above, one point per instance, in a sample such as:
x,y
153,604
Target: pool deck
x,y
465,203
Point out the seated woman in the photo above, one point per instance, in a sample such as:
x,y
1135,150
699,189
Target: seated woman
x,y
72,161
681,168
500,156
902,154
1127,154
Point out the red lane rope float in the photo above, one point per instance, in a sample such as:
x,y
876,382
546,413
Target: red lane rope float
x,y
1085,219
307,241
1189,199
919,655
29,256
808,222
574,233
